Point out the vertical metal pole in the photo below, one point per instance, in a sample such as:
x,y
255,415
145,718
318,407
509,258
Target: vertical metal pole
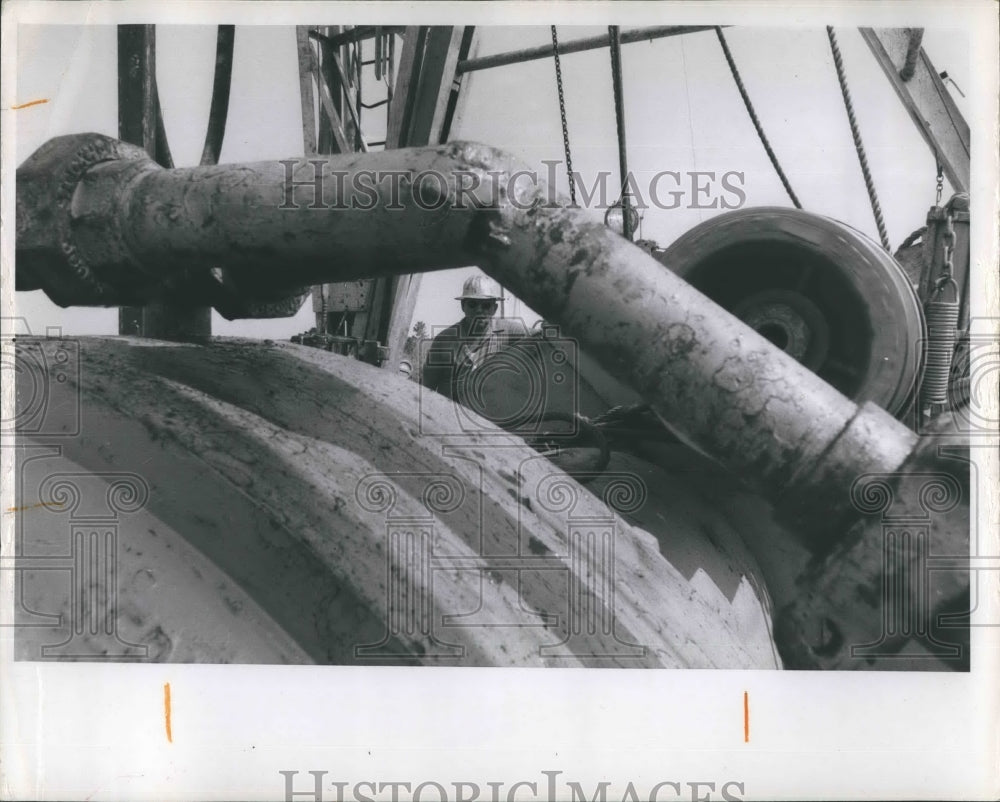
x,y
338,133
425,102
328,142
136,74
139,123
616,80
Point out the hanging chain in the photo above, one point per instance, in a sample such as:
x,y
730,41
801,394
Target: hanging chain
x,y
562,115
920,232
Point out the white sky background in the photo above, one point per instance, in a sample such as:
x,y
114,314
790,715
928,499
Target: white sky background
x,y
683,113
885,735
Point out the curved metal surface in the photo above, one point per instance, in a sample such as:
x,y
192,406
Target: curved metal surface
x,y
165,600
354,518
840,289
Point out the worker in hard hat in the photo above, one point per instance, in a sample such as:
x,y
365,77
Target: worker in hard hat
x,y
459,350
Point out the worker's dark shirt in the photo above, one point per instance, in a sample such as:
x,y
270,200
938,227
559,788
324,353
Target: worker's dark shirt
x,y
455,353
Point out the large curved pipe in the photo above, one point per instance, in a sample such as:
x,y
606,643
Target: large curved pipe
x,y
100,223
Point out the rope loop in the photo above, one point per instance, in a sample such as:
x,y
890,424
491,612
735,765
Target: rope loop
x,y
910,240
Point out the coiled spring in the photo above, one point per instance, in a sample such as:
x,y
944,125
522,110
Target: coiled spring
x,y
942,333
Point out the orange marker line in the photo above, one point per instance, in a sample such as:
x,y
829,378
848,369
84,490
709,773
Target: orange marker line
x,y
31,103
36,506
166,710
746,717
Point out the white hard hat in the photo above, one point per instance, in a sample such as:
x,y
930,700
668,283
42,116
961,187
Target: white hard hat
x,y
480,288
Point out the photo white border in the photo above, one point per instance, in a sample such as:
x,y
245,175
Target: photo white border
x,y
96,731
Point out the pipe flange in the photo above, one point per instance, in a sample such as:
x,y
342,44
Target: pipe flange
x,y
48,251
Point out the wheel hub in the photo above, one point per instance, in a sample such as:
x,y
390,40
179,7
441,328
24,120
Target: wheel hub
x,y
789,320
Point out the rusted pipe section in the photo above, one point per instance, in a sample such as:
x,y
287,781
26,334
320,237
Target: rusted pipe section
x,y
99,222
718,384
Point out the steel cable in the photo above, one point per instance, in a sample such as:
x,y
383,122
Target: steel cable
x,y
859,147
754,119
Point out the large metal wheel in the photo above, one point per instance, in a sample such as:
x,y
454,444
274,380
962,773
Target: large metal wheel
x,y
823,292
240,501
